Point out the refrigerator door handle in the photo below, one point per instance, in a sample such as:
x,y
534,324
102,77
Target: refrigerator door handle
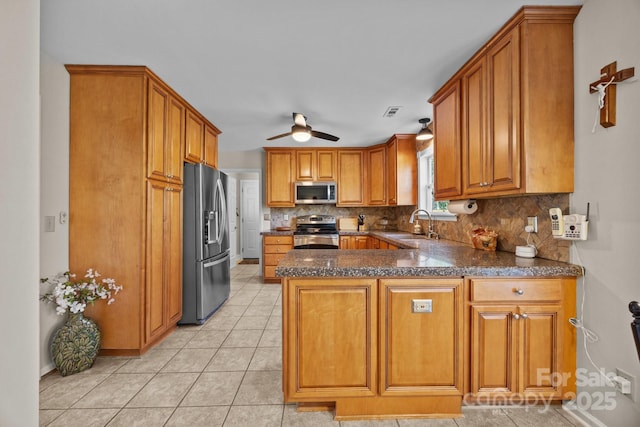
x,y
216,262
222,220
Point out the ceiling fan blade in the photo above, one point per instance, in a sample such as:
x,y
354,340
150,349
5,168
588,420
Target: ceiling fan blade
x,y
323,135
279,136
299,119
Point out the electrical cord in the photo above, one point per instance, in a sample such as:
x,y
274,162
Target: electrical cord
x,y
578,323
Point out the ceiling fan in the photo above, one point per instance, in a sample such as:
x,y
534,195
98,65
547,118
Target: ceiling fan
x,y
301,131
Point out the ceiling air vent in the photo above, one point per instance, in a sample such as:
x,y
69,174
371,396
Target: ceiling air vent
x,y
391,111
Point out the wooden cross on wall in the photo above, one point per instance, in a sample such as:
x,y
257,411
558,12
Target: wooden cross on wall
x,y
609,76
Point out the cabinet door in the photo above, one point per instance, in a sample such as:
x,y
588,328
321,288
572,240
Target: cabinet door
x,y
280,178
173,253
156,315
194,137
326,165
421,353
360,242
346,242
210,146
540,335
503,152
493,350
157,131
474,137
447,145
305,165
330,338
392,172
350,178
376,177
175,141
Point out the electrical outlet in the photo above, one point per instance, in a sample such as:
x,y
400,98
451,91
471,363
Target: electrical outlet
x,y
532,222
627,376
421,306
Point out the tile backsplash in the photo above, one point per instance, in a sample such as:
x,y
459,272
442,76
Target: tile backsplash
x,y
507,216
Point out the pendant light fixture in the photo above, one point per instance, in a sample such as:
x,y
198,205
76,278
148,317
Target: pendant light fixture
x,y
425,134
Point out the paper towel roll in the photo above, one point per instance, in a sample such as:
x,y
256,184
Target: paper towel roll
x,y
465,207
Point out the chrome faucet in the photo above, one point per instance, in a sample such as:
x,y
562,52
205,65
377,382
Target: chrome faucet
x,y
430,232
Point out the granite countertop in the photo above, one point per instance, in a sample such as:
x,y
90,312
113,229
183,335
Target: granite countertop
x,y
423,257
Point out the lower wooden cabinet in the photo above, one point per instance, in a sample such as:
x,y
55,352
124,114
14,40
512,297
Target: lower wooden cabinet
x,y
274,248
354,242
421,352
331,338
357,342
521,339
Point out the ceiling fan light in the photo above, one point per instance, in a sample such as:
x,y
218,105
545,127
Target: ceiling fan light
x,y
300,133
425,133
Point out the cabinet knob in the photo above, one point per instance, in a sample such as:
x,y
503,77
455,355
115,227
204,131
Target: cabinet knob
x,y
519,291
516,316
524,316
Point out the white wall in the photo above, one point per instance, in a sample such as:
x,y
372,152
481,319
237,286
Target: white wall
x,y
54,186
19,212
607,175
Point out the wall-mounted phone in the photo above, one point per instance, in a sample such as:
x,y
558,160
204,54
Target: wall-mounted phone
x,y
569,227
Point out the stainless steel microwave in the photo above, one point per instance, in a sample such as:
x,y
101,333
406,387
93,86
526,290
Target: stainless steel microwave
x,y
314,192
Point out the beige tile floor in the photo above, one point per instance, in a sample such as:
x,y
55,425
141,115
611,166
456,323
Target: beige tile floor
x,y
226,372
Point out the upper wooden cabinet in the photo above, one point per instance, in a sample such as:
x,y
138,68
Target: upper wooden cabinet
x,y
281,167
165,127
316,165
350,184
402,170
201,145
125,219
446,140
380,175
509,112
375,176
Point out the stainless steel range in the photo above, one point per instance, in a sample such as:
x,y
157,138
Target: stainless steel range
x,y
316,232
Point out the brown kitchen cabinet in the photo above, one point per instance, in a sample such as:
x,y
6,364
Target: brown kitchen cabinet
x,y
521,338
316,164
164,257
490,112
165,121
281,169
354,343
375,176
330,338
402,170
274,248
421,353
201,144
447,145
125,219
354,242
350,183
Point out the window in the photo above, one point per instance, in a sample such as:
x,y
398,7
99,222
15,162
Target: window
x,y
437,209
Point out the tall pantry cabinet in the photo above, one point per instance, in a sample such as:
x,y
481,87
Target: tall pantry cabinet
x,y
127,140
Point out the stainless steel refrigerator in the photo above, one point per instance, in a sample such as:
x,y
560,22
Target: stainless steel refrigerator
x,y
206,278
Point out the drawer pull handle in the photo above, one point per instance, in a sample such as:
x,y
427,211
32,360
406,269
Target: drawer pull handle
x,y
516,316
519,291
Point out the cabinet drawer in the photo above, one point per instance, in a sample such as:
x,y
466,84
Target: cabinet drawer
x,y
516,289
269,271
278,240
277,249
272,259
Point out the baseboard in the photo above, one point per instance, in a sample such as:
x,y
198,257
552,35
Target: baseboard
x,y
580,415
44,370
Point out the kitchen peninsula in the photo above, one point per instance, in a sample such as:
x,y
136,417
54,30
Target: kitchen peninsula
x,y
417,332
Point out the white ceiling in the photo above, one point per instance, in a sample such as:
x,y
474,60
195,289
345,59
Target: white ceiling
x,y
248,64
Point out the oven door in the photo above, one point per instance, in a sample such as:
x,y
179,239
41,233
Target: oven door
x,y
316,241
